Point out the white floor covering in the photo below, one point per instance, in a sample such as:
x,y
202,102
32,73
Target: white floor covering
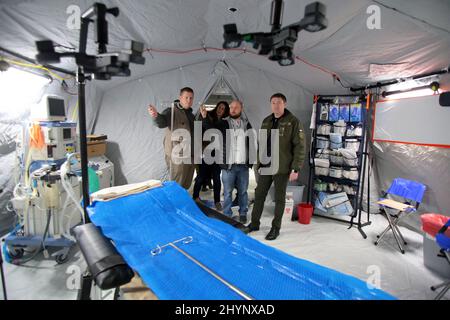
x,y
331,244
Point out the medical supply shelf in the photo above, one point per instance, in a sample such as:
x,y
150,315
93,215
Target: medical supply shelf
x,y
336,192
343,137
331,122
338,180
323,103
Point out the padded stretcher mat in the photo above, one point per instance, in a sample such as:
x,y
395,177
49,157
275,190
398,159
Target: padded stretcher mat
x,y
140,222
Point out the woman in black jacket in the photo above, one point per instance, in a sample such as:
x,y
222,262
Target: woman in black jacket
x,y
208,171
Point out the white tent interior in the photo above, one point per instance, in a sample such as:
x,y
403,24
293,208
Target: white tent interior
x,y
184,40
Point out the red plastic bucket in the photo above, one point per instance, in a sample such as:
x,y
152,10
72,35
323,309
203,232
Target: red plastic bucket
x,y
433,222
305,211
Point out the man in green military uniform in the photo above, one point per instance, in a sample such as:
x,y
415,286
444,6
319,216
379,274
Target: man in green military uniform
x,y
284,164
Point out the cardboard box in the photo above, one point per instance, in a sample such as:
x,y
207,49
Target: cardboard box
x,y
96,137
96,148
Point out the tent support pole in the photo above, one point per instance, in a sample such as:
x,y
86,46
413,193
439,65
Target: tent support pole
x,y
81,80
5,297
86,283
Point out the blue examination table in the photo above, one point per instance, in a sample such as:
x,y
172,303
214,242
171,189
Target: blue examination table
x,y
143,223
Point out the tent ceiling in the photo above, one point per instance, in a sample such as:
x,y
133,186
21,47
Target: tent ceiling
x,y
346,47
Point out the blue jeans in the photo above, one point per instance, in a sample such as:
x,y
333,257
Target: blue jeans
x,y
237,177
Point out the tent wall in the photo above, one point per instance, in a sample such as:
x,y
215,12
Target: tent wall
x,y
415,35
425,164
136,145
401,120
413,39
428,165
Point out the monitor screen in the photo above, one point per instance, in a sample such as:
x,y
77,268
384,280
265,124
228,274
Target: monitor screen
x,y
67,133
56,107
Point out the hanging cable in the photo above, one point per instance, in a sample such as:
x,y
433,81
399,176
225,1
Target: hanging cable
x,y
204,48
243,50
315,66
35,66
51,75
340,82
75,113
65,170
65,87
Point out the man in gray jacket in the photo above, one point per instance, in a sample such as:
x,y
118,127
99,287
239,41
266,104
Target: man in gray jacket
x,y
236,163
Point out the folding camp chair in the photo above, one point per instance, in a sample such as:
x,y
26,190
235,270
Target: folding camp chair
x,y
410,194
443,241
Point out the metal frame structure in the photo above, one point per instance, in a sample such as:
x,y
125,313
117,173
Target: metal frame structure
x,y
404,189
362,163
187,240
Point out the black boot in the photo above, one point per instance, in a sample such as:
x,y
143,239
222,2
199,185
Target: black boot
x,y
251,228
273,234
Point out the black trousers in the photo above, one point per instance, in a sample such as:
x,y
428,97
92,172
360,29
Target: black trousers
x,y
206,171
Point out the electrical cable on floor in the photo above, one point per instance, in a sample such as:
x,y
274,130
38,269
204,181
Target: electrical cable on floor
x,y
49,216
41,245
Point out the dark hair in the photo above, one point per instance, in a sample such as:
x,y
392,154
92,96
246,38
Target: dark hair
x,y
278,95
186,89
226,113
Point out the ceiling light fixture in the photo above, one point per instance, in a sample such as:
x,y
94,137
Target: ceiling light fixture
x,y
279,43
413,92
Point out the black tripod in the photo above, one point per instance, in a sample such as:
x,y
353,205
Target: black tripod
x,y
102,66
3,275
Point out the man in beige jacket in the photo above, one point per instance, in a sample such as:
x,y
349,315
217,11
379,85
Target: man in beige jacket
x,y
182,118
